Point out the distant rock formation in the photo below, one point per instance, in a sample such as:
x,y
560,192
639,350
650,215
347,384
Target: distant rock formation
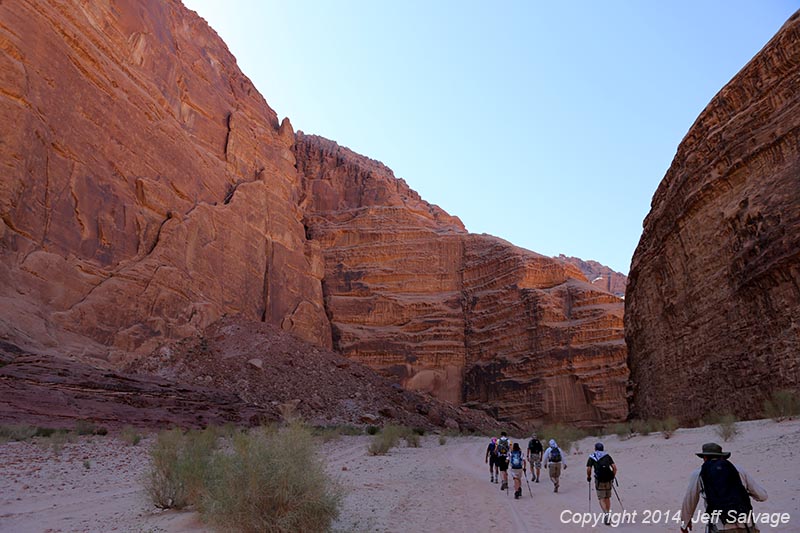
x,y
465,317
713,302
599,275
149,190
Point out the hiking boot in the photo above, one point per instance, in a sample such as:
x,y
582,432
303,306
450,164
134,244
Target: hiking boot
x,y
607,519
537,479
518,494
504,485
555,489
491,479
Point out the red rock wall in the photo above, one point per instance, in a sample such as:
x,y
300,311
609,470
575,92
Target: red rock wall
x,y
148,188
600,275
713,301
468,318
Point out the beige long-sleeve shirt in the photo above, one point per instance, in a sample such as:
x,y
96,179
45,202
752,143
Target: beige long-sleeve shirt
x,y
692,497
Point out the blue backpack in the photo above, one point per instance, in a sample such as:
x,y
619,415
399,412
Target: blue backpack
x,y
516,459
555,455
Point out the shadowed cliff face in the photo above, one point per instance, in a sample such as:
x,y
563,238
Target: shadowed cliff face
x,y
147,187
713,301
466,317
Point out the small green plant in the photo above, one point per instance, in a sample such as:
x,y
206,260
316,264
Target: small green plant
x,y
385,440
258,486
85,427
373,430
564,435
782,405
668,426
419,431
129,435
16,432
180,466
621,430
442,440
642,427
412,439
726,428
59,439
86,464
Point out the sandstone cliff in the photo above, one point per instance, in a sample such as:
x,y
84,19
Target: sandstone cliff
x,y
713,301
600,275
466,317
148,188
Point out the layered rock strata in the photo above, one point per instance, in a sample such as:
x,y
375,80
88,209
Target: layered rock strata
x,y
600,275
713,301
465,317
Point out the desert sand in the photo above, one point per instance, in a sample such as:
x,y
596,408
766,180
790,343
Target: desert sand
x,y
433,488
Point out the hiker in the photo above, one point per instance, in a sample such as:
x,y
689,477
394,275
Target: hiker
x,y
604,473
535,451
553,460
517,463
491,458
726,490
502,450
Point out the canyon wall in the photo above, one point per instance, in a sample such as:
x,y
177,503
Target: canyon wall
x,y
465,317
713,303
148,188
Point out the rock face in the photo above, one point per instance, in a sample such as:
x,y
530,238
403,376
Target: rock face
x,y
465,317
713,301
600,275
148,188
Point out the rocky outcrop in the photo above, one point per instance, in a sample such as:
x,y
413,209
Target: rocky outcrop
x,y
713,301
468,318
600,275
148,187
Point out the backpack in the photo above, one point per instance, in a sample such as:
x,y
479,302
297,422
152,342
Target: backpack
x,y
602,469
723,490
516,459
502,447
555,455
535,446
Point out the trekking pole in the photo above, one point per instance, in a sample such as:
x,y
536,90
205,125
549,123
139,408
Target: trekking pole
x,y
617,494
590,496
524,473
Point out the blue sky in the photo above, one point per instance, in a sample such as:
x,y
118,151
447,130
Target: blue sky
x,y
547,124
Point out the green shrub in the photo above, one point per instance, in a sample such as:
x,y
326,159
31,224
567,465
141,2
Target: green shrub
x,y
58,439
412,439
622,430
442,440
782,405
668,426
726,428
642,427
85,427
350,430
373,430
180,467
259,486
17,432
419,431
129,435
385,440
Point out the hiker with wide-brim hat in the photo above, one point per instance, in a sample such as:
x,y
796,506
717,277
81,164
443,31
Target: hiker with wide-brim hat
x,y
726,489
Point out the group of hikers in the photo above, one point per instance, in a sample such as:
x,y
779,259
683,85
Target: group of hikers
x,y
727,489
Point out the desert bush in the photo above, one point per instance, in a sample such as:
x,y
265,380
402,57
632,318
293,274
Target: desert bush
x,y
85,427
271,481
442,440
412,439
373,430
726,428
58,439
180,467
385,440
351,430
782,405
642,427
668,426
87,464
621,429
17,432
419,431
564,435
129,435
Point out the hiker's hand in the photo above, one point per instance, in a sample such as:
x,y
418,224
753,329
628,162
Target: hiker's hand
x,y
565,467
588,480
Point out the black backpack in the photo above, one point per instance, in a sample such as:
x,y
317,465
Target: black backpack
x,y
516,459
555,455
723,490
535,446
602,469
502,447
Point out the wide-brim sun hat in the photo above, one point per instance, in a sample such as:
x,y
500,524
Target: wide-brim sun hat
x,y
712,449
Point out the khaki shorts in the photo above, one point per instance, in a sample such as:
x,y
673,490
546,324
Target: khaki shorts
x,y
603,489
516,473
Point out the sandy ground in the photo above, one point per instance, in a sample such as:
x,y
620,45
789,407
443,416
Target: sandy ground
x,y
434,488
